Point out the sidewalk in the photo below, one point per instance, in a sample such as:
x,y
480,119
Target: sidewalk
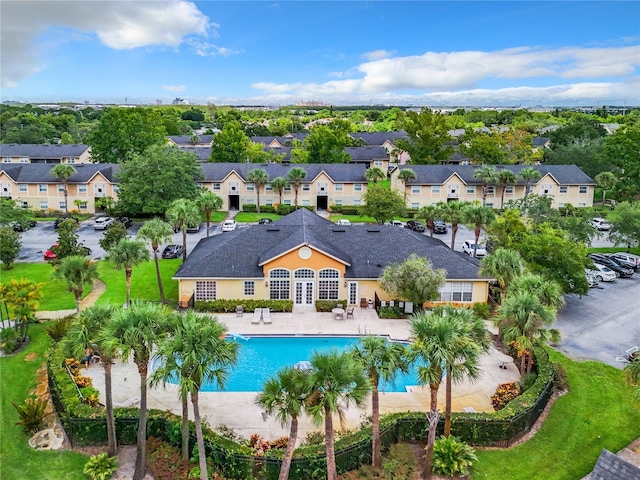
x,y
97,289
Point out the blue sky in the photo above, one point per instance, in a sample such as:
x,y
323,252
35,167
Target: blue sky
x,y
345,53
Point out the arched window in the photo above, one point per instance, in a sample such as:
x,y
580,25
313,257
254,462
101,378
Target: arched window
x,y
304,273
279,284
328,284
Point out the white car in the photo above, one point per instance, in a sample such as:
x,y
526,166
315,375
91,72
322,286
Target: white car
x,y
396,223
343,222
600,224
229,226
102,223
604,274
468,247
628,257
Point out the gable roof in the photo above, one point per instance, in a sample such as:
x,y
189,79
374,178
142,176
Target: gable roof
x,y
364,249
186,139
612,467
32,150
378,138
366,154
338,172
41,172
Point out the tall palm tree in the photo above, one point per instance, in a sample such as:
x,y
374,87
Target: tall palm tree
x,y
529,175
198,351
380,360
156,231
181,214
278,184
488,175
504,179
137,331
454,213
259,177
478,217
374,174
335,380
208,202
63,171
435,341
295,177
285,395
77,271
405,176
83,333
126,255
504,265
549,292
430,213
606,181
521,319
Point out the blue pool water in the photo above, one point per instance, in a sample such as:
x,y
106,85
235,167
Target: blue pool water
x,y
259,358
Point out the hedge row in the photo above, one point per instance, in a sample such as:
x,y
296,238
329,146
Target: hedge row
x,y
328,305
281,209
229,306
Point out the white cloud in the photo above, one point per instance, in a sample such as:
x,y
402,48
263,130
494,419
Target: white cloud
x,y
117,24
174,88
376,55
205,49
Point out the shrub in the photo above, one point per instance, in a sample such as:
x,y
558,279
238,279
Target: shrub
x,y
229,306
482,310
529,380
504,394
350,210
391,312
101,467
452,457
59,328
90,396
328,305
560,380
32,413
283,209
315,437
335,208
248,207
9,340
165,461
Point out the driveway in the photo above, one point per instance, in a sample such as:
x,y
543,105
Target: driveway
x,y
603,324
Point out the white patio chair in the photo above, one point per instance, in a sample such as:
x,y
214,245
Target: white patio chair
x,y
257,315
266,316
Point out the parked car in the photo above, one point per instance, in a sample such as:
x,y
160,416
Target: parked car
x,y
343,222
172,251
468,246
265,221
439,226
193,228
22,225
622,261
58,220
612,263
50,253
600,224
126,221
591,277
229,226
415,225
396,223
102,223
603,274
634,260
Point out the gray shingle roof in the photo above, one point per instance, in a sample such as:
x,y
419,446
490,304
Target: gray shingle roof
x,y
41,172
41,151
367,154
365,249
186,139
339,172
438,174
378,138
612,467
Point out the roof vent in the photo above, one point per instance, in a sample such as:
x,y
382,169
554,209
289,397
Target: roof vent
x,y
373,230
339,230
273,229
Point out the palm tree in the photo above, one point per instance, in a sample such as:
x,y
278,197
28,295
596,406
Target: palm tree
x,y
63,171
259,177
136,331
605,180
156,231
374,174
488,175
335,380
279,184
520,320
549,292
529,175
126,255
295,177
181,214
77,271
84,333
454,213
504,265
284,396
478,217
208,202
405,176
381,360
430,213
198,351
504,179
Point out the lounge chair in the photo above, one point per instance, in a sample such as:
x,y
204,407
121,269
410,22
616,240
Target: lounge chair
x,y
266,316
257,315
350,312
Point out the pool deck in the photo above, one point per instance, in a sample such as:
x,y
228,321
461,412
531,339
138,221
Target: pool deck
x,y
238,411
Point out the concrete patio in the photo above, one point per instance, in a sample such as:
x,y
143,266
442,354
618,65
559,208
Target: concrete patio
x,y
238,411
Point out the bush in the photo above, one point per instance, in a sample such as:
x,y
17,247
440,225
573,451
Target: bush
x,y
350,210
32,413
452,457
529,380
391,312
101,467
335,208
504,394
59,328
9,340
248,207
165,461
284,209
229,306
482,310
315,437
560,380
328,305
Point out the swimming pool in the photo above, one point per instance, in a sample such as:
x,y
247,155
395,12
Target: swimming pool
x,y
261,357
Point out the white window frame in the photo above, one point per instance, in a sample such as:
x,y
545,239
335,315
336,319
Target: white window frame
x,y
415,205
216,186
459,292
205,290
306,187
249,288
44,205
43,188
416,189
251,187
471,190
563,189
583,189
328,284
339,187
435,189
279,284
82,189
23,187
357,187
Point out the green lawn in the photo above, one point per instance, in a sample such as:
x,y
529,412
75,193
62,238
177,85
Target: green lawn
x,y
252,217
17,460
598,412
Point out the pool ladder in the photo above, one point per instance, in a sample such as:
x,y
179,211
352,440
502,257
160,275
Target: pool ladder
x,y
362,329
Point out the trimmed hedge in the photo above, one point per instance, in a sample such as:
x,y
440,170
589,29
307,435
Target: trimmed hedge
x,y
328,305
250,207
229,306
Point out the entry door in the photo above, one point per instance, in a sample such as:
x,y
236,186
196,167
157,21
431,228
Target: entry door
x,y
304,293
353,293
